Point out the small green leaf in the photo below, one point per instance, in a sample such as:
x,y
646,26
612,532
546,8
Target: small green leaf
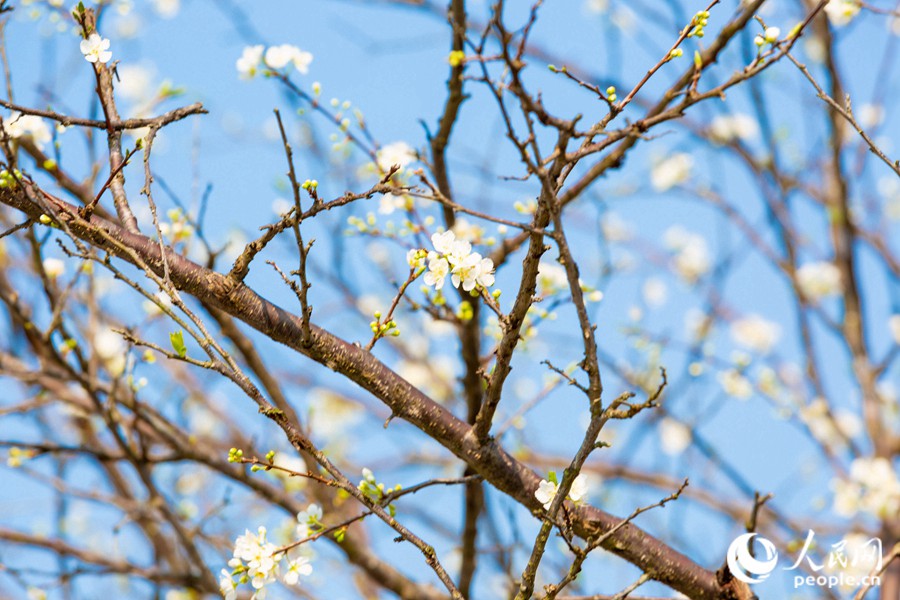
x,y
177,339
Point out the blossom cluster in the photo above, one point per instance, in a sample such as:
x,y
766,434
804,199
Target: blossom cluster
x,y
454,258
691,253
277,58
20,127
872,487
258,562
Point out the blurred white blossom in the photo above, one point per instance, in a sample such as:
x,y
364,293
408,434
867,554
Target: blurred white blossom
x,y
596,6
397,153
872,487
894,327
691,260
833,429
727,128
391,202
167,9
655,292
466,230
614,228
841,12
735,384
250,61
671,171
551,279
819,280
674,436
110,348
134,82
19,126
756,333
54,267
870,115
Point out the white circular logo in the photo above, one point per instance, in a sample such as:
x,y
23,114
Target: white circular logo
x,y
744,566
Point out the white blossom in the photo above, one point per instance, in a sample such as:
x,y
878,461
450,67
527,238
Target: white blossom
x,y
415,258
756,333
872,487
167,9
308,519
110,348
819,279
95,49
841,12
134,82
596,6
894,326
671,171
655,292
332,414
285,55
691,259
259,556
735,384
54,267
438,269
674,436
19,126
472,270
551,279
468,231
153,308
870,115
296,568
546,491
227,585
726,128
833,431
249,63
614,228
368,476
391,202
452,256
397,153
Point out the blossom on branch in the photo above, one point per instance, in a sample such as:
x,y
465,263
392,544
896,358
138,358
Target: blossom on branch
x,y
20,127
454,257
286,55
547,489
96,49
249,63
